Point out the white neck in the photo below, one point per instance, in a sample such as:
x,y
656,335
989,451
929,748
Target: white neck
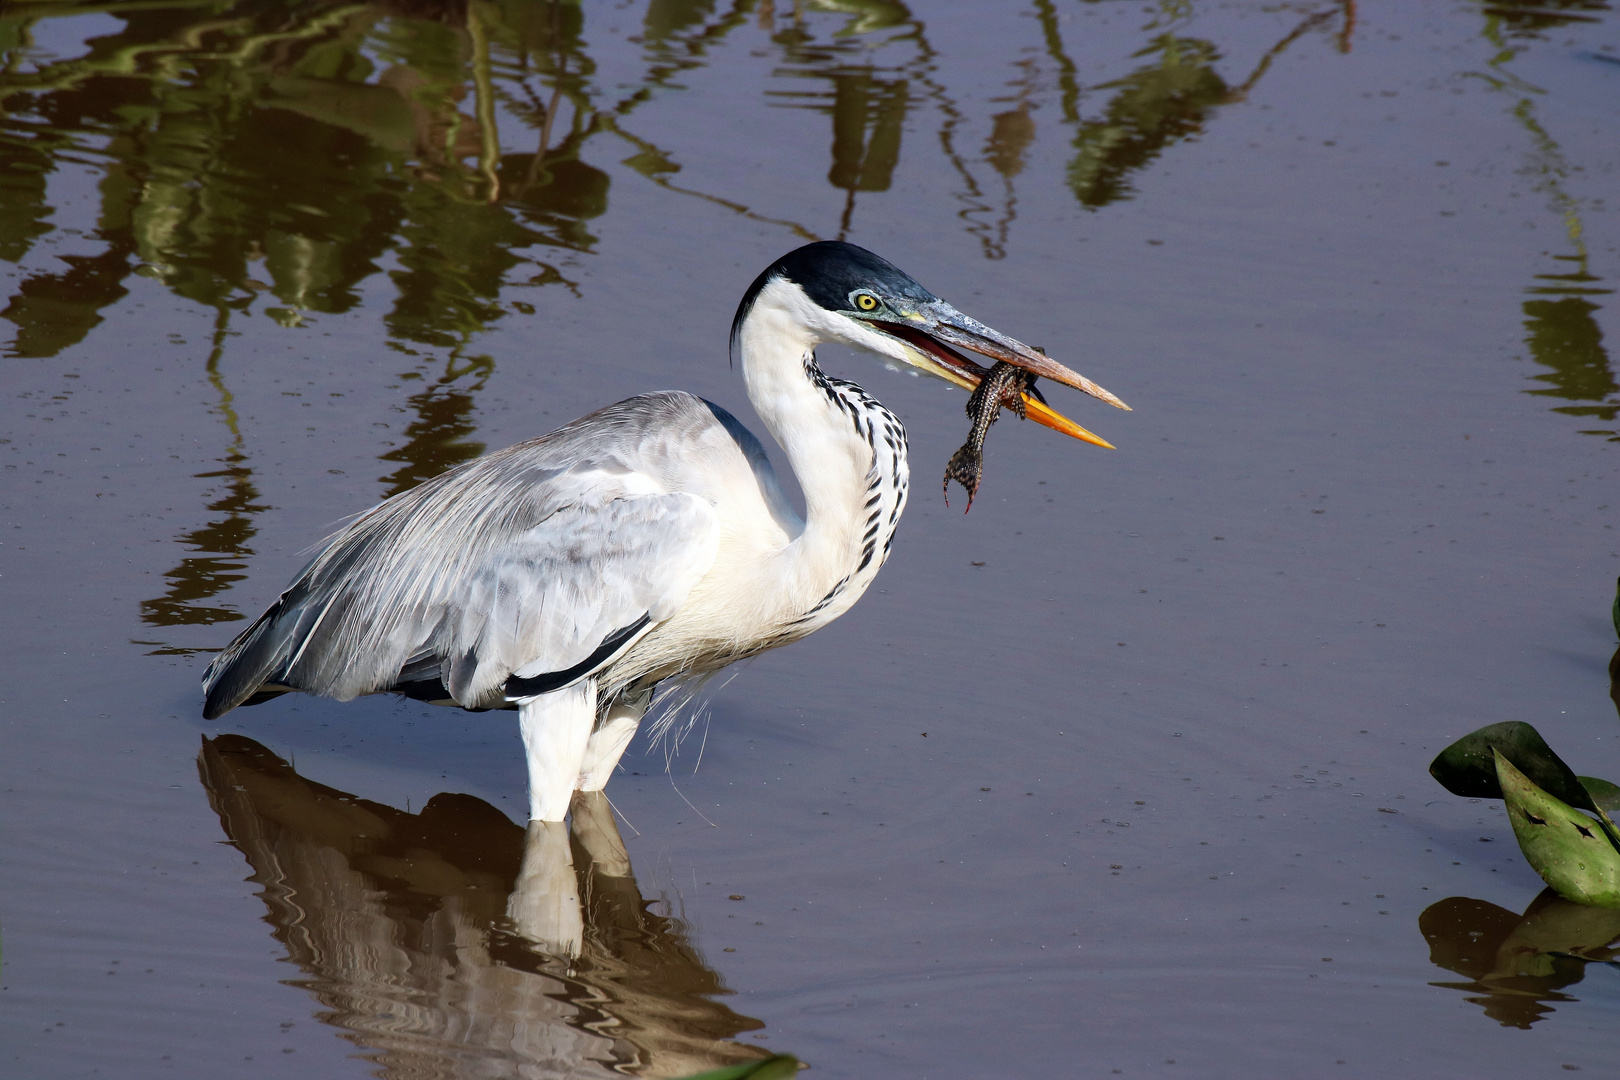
x,y
827,432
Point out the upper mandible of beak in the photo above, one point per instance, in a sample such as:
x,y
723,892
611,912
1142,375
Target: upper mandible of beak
x,y
926,330
943,322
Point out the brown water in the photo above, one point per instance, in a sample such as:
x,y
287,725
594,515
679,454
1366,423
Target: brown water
x,y
1124,769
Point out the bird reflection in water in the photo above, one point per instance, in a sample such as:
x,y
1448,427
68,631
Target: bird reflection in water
x,y
1519,964
451,943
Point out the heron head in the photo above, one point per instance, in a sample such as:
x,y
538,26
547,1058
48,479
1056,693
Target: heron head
x,y
843,293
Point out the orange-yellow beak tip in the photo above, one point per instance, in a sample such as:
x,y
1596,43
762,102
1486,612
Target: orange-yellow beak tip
x,y
1047,417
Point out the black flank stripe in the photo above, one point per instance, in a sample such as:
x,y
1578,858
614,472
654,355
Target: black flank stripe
x,y
556,680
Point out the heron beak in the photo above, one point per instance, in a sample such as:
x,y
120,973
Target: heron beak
x,y
934,327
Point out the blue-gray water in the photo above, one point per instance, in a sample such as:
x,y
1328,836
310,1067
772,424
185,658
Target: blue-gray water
x,y
1352,264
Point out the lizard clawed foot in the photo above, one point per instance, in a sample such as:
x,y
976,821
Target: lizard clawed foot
x,y
965,467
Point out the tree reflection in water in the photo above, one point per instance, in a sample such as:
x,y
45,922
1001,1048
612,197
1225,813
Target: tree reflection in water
x,y
279,157
1519,964
1167,100
400,925
1560,329
222,544
282,152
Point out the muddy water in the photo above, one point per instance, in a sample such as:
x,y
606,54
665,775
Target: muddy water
x,y
1122,773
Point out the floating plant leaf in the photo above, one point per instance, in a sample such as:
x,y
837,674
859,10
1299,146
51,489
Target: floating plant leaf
x,y
780,1067
1466,767
1615,611
1605,794
1614,678
1568,849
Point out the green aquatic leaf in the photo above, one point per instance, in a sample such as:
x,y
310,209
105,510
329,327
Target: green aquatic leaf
x,y
1614,678
1568,849
1615,610
779,1067
1466,767
1605,794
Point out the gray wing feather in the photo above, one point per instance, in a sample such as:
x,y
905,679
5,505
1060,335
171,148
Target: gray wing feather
x,y
553,595
521,562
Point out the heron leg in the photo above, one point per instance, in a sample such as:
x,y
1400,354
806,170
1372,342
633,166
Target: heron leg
x,y
609,741
556,728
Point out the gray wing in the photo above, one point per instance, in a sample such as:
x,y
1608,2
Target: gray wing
x,y
540,563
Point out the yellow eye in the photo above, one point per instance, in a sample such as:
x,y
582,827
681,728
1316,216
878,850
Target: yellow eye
x,y
866,302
